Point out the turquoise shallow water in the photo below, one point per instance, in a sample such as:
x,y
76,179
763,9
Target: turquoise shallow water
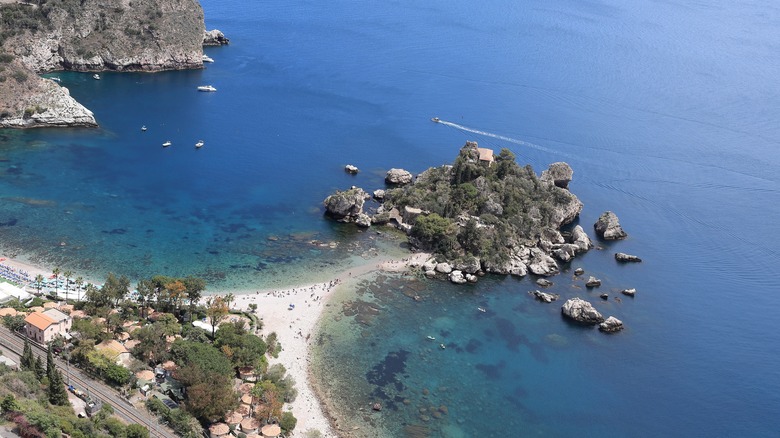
x,y
665,110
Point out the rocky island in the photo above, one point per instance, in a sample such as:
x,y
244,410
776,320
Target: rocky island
x,y
89,35
483,213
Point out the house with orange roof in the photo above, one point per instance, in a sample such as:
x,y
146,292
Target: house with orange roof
x,y
114,350
42,327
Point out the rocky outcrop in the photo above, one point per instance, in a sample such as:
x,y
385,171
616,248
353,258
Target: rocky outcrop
x,y
469,265
627,258
543,296
214,38
580,238
593,282
444,268
457,277
559,173
347,206
379,194
351,169
611,325
543,282
579,271
628,292
398,177
566,209
581,311
541,263
608,227
36,102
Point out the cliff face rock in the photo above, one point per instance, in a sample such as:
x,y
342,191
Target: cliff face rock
x,y
89,35
559,173
347,206
37,102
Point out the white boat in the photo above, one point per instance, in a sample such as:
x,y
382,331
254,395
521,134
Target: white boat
x,y
166,144
481,309
199,144
96,76
435,120
56,79
143,128
206,88
207,59
431,338
442,346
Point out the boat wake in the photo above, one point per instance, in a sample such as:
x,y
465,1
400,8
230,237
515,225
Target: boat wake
x,y
504,138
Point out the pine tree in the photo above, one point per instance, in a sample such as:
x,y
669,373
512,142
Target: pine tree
x,y
57,394
49,362
27,361
40,371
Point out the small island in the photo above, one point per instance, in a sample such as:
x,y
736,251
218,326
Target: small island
x,y
483,213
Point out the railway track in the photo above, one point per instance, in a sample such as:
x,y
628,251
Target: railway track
x,y
123,408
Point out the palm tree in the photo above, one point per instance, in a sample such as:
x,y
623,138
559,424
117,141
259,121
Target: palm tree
x,y
79,283
56,272
229,298
67,275
38,283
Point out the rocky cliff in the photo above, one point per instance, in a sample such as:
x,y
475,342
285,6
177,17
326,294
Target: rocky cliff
x,y
88,35
30,101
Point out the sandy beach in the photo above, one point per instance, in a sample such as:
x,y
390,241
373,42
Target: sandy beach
x,y
293,313
295,329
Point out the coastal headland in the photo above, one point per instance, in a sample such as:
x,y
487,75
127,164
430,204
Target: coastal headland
x,y
89,36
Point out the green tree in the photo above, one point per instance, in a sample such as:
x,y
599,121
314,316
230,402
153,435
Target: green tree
x,y
434,232
27,361
216,309
79,283
137,431
56,271
40,371
117,374
49,362
67,274
9,403
288,422
146,291
38,283
56,391
211,398
14,323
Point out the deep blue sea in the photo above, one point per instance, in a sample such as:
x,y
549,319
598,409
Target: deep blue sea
x,y
666,110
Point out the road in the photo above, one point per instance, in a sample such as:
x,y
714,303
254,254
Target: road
x,y
14,344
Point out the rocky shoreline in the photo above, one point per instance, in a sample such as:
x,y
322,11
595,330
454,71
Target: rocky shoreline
x,y
93,36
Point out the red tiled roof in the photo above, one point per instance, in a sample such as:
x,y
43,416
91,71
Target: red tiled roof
x,y
39,320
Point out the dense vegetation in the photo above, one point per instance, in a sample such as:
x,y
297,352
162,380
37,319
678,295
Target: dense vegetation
x,y
160,310
481,209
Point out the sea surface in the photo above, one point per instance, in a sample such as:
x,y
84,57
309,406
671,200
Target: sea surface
x,y
666,110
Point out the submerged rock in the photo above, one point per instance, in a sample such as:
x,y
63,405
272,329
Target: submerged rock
x,y
543,296
543,282
608,227
627,258
581,311
611,325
